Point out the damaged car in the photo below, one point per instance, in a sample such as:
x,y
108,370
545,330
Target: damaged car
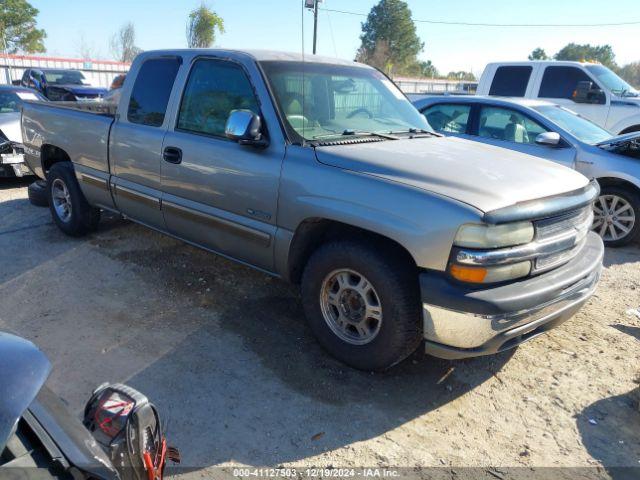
x,y
11,149
121,436
553,132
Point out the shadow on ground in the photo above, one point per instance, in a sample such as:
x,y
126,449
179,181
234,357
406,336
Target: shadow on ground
x,y
256,376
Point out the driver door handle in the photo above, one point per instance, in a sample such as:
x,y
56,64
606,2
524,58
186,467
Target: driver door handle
x,y
172,155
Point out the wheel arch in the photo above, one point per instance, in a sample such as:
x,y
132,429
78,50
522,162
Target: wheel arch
x,y
611,181
313,232
50,155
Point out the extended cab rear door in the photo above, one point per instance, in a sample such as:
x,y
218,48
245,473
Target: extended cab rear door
x,y
135,144
217,193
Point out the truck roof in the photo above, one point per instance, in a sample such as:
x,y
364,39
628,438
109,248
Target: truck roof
x,y
258,55
542,62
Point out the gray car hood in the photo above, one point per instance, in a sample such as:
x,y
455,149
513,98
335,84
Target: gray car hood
x,y
619,140
483,176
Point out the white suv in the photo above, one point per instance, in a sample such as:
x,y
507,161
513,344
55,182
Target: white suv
x,y
590,89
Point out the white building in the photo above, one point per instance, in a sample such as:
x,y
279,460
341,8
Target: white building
x,y
99,73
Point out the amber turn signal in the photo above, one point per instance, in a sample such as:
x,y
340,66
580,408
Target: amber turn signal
x,y
468,274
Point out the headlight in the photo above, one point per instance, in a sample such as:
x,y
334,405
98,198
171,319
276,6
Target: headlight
x,y
494,236
492,274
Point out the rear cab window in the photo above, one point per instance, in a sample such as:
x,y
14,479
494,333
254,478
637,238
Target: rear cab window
x,y
151,91
448,117
511,81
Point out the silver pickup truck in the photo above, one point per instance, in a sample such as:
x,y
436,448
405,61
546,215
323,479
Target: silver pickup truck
x,y
322,173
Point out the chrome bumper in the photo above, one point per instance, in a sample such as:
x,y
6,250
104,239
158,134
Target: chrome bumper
x,y
494,320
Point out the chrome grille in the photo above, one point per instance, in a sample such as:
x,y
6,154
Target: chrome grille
x,y
566,233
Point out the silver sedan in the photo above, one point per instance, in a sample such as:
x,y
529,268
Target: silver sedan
x,y
552,132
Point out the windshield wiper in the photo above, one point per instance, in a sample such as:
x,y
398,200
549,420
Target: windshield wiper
x,y
356,133
415,131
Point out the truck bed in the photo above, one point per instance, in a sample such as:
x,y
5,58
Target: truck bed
x,y
80,130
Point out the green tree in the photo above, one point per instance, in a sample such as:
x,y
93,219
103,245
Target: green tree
x,y
18,32
427,69
461,75
389,27
538,54
631,73
588,53
201,27
123,43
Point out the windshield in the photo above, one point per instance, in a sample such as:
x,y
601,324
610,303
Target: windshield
x,y
12,101
613,82
324,101
64,77
578,126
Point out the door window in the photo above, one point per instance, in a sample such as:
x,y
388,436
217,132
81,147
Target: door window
x,y
447,117
151,91
511,81
509,125
561,82
215,88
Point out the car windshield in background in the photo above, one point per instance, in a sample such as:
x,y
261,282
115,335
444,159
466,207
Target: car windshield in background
x,y
612,81
64,77
12,101
578,126
325,101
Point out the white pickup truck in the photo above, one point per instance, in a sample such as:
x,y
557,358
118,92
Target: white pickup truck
x,y
590,89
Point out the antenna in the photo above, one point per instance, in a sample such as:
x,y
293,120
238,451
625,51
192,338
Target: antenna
x,y
303,110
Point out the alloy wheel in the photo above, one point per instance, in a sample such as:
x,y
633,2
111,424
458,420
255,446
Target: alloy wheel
x,y
613,217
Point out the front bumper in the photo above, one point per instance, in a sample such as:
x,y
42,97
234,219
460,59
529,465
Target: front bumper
x,y
13,164
461,322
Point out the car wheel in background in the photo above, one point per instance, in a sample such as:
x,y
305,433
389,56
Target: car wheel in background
x,y
617,216
38,193
69,208
362,301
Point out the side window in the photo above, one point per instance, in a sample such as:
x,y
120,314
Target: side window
x,y
447,117
511,81
214,89
151,91
508,125
25,76
561,82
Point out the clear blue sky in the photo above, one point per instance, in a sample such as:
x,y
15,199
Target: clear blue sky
x,y
276,24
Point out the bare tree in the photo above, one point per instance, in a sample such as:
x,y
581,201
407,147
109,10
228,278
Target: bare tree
x,y
379,57
201,27
123,44
85,50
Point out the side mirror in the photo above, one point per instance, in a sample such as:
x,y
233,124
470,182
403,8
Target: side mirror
x,y
549,139
587,92
245,127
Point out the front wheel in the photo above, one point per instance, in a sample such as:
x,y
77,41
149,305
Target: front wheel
x,y
69,208
617,216
362,302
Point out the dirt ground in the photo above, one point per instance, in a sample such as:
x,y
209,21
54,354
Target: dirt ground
x,y
224,351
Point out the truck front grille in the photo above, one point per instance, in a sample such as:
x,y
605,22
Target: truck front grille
x,y
562,236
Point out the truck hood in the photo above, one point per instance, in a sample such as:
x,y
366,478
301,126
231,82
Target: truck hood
x,y
483,176
81,89
10,126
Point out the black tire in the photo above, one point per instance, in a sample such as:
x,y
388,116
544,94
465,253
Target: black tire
x,y
83,218
38,193
395,280
633,198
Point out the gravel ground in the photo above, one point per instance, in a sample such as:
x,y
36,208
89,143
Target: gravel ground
x,y
225,353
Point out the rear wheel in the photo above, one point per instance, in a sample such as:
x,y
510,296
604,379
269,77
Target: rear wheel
x,y
69,208
362,302
617,216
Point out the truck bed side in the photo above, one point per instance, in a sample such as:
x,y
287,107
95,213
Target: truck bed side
x,y
77,133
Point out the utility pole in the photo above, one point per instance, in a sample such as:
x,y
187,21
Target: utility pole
x,y
313,5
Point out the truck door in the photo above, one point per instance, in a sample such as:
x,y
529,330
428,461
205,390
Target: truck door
x,y
507,128
217,193
558,85
136,141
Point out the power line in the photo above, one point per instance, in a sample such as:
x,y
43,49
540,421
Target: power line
x,y
508,25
